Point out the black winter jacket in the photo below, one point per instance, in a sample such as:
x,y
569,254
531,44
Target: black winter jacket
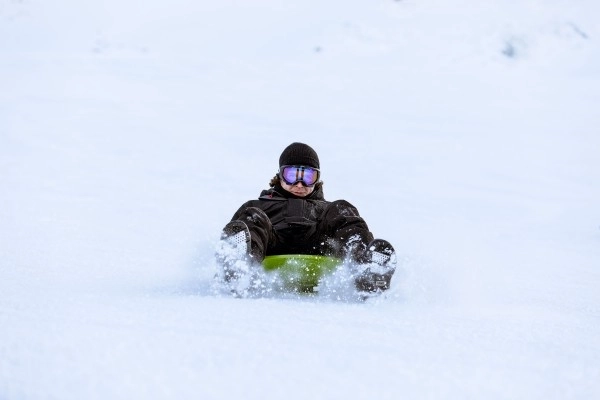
x,y
282,223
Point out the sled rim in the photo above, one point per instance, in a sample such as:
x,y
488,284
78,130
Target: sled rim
x,y
278,261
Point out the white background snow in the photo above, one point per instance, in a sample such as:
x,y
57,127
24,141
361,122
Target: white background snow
x,y
466,133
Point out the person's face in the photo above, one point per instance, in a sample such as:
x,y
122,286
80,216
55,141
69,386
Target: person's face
x,y
298,189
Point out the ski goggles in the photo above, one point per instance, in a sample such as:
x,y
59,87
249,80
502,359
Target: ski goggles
x,y
292,174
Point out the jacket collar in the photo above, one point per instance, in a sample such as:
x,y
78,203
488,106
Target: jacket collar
x,y
279,192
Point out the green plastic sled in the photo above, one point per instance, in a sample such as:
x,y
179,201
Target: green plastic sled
x,y
300,272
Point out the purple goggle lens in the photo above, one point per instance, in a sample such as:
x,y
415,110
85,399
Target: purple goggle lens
x,y
293,174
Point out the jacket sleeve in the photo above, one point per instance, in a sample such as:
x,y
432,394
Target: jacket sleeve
x,y
344,225
241,210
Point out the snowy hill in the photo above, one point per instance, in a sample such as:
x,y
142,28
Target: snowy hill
x,y
465,132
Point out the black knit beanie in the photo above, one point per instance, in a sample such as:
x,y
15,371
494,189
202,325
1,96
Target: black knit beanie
x,y
299,154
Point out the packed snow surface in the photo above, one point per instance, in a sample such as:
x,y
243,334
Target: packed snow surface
x,y
465,132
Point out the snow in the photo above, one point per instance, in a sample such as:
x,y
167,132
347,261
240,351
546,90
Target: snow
x,y
465,132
